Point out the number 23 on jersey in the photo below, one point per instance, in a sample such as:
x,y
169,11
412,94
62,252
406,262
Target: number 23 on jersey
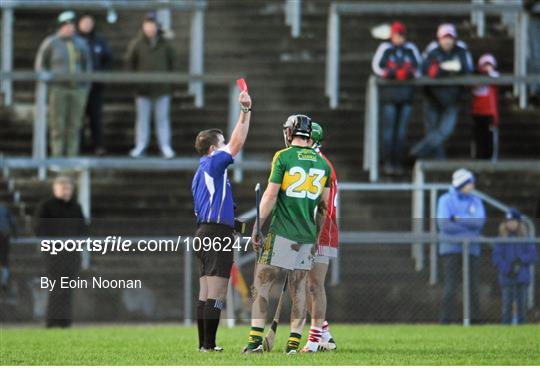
x,y
297,183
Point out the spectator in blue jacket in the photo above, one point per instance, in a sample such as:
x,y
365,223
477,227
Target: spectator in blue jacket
x,y
512,260
446,57
460,213
396,59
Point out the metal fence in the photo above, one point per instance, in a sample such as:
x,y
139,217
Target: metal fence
x,y
293,16
419,215
42,79
196,52
371,118
377,286
337,10
85,167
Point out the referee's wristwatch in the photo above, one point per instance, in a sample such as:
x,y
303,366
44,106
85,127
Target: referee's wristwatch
x,y
245,109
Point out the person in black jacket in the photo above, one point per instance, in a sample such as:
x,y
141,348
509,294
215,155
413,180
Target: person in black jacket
x,y
443,58
150,51
101,60
399,60
60,217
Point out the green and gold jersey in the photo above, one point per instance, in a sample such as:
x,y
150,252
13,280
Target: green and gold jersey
x,y
302,174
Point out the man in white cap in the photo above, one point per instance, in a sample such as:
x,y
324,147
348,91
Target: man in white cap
x,y
460,213
445,57
65,52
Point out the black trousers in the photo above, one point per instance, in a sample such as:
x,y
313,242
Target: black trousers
x,y
60,304
482,137
452,264
94,112
4,250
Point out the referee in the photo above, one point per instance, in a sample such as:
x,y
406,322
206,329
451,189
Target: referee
x,y
214,209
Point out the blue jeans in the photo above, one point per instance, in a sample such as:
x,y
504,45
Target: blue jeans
x,y
161,106
439,124
510,294
395,122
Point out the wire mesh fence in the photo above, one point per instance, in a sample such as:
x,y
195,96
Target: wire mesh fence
x,y
374,280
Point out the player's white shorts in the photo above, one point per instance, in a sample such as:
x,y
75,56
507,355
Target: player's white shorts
x,y
321,259
281,252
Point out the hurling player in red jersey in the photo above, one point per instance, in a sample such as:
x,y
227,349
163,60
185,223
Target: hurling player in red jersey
x,y
320,338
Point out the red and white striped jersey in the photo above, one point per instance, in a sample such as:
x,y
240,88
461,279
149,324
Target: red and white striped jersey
x,y
329,236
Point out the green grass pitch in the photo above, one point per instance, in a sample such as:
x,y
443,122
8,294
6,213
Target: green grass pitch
x,y
357,345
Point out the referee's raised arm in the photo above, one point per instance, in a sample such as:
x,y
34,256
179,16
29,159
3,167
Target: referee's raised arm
x,y
240,132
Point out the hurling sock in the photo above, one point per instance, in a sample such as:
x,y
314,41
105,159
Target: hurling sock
x,y
255,337
200,321
212,311
326,336
294,341
314,338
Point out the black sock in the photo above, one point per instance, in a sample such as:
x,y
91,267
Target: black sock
x,y
200,321
212,311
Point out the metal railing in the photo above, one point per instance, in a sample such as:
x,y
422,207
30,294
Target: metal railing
x,y
418,212
421,167
85,166
187,269
360,238
337,10
293,16
39,146
408,238
196,52
371,117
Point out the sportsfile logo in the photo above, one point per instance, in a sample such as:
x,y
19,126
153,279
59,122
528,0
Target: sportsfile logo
x,y
111,244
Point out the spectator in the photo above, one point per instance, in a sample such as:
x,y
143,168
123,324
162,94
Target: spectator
x,y
101,60
60,216
485,112
65,52
151,52
442,58
460,213
399,60
7,229
512,260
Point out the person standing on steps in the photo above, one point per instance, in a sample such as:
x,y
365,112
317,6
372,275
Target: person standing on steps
x,y
151,52
396,59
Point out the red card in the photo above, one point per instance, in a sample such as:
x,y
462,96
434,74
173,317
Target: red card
x,y
241,83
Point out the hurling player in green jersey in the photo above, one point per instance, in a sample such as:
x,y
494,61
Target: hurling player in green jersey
x,y
296,199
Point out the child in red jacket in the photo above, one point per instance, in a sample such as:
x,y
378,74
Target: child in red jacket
x,y
485,113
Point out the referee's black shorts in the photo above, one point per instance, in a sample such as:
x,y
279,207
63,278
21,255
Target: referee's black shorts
x,y
215,262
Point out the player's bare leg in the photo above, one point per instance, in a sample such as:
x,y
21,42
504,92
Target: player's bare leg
x,y
297,287
316,305
265,277
213,292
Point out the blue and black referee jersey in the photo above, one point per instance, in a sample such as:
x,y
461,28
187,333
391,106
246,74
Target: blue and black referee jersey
x,y
212,191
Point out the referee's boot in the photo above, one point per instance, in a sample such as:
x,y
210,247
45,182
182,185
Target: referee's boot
x,y
215,349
